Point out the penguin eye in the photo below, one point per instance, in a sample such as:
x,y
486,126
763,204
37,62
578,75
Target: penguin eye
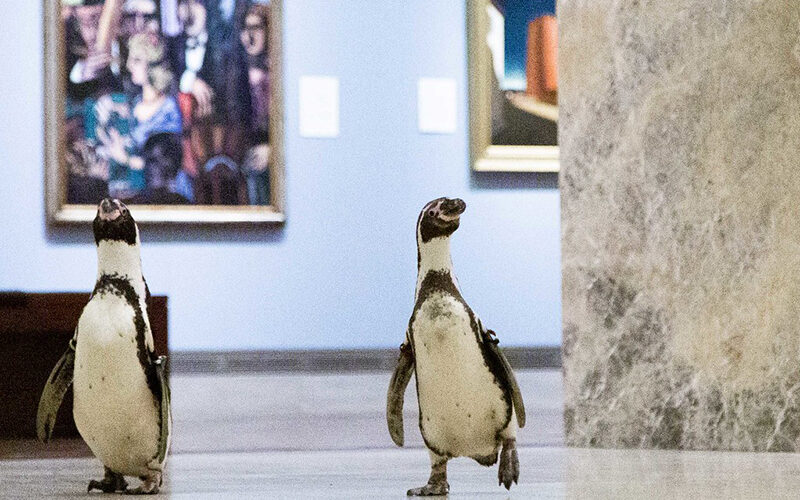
x,y
431,213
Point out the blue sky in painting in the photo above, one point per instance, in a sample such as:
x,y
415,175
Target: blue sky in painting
x,y
517,15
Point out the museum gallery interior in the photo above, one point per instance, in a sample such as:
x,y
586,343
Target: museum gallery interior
x,y
358,249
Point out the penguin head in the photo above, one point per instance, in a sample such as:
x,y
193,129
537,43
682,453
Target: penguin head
x,y
439,218
114,222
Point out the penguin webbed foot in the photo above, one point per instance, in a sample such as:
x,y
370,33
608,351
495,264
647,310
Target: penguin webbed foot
x,y
430,489
111,483
508,471
437,482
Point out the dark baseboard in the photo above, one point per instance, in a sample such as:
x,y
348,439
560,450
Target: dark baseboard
x,y
330,360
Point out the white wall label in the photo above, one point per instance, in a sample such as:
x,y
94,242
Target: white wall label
x,y
436,105
319,106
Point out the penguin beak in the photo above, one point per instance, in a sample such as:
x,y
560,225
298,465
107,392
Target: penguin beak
x,y
110,209
452,208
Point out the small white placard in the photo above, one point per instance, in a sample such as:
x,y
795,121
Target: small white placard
x,y
436,105
319,106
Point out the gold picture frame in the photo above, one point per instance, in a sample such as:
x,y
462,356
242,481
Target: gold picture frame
x,y
484,155
61,211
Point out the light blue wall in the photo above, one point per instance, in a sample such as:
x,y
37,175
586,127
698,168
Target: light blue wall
x,y
341,272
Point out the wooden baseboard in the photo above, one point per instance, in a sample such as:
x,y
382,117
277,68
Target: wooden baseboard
x,y
35,329
330,360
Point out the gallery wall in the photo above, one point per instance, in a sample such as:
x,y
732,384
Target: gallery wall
x,y
340,273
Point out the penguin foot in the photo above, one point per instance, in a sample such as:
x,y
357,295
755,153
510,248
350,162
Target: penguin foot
x,y
150,485
430,489
111,482
508,471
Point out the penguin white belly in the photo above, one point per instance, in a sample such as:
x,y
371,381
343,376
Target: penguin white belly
x,y
114,409
462,409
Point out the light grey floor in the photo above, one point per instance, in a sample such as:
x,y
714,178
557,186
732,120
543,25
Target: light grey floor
x,y
293,411
546,473
324,436
324,412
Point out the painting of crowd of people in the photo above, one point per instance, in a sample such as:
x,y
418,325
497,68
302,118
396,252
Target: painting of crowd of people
x,y
167,101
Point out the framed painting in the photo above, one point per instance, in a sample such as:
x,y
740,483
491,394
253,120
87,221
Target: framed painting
x,y
513,85
172,106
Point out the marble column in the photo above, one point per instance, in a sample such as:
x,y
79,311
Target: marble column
x,y
680,147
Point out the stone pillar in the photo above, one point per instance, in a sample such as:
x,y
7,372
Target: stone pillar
x,y
680,187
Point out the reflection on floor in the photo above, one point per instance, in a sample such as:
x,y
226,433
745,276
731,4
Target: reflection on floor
x,y
318,436
268,412
546,473
324,412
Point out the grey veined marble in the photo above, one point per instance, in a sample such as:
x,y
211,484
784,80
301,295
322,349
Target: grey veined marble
x,y
680,134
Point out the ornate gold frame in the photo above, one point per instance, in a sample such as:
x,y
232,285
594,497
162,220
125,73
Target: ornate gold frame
x,y
485,156
59,212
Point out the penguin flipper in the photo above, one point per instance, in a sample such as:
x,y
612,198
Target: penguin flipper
x,y
492,349
53,393
163,381
397,389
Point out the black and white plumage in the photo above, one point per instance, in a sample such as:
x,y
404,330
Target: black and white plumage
x,y
120,387
469,401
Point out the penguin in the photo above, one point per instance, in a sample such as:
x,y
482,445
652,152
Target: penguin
x,y
120,388
469,401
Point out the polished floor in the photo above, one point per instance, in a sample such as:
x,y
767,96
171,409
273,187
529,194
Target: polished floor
x,y
546,473
323,436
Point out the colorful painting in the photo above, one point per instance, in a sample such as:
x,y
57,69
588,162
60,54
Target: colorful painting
x,y
514,84
169,104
